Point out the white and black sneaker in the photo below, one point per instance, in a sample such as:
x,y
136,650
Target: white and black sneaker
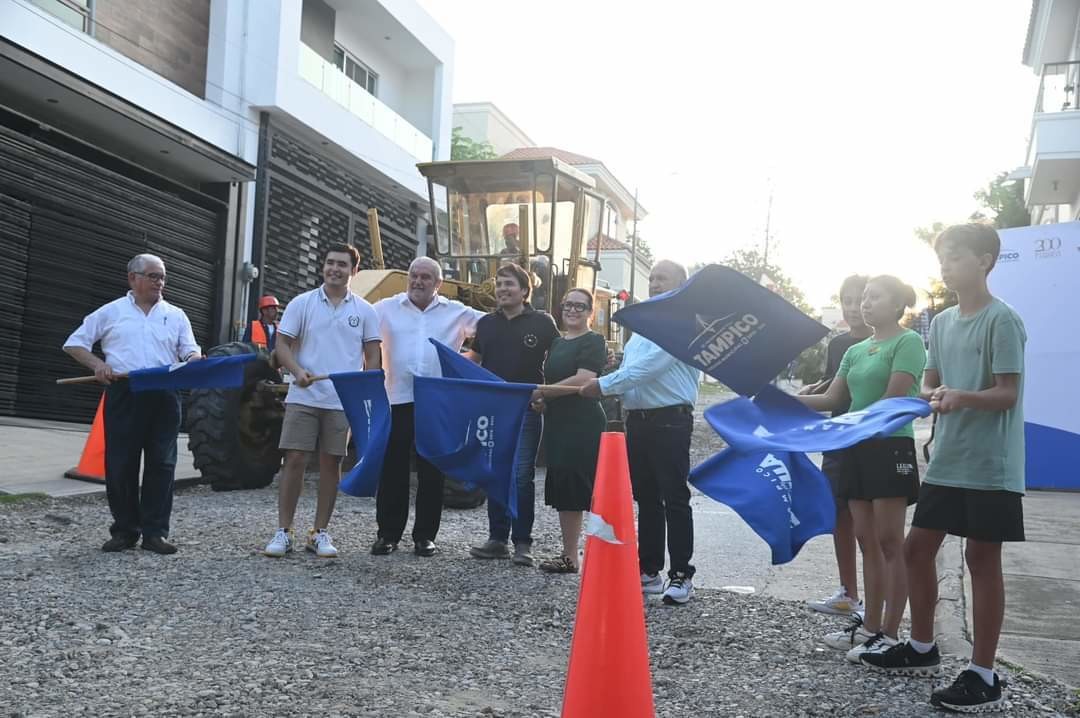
x,y
849,637
680,589
903,660
970,694
877,643
652,584
280,544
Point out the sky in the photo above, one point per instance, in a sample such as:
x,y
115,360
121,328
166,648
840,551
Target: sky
x,y
862,120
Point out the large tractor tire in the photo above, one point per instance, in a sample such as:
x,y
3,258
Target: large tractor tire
x,y
234,433
456,496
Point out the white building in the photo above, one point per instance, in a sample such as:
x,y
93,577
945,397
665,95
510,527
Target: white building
x,y
1052,168
484,122
223,135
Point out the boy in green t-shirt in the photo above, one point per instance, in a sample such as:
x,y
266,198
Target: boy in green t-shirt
x,y
975,481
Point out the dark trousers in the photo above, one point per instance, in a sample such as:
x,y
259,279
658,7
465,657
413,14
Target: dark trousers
x,y
658,447
140,425
500,526
392,500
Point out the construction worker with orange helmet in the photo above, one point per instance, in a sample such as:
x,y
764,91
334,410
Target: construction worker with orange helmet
x,y
262,332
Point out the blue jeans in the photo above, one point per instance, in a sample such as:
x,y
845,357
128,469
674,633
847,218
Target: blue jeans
x,y
500,525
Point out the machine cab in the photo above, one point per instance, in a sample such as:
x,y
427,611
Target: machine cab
x,y
541,214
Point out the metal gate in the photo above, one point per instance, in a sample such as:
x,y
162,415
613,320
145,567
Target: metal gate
x,y
68,226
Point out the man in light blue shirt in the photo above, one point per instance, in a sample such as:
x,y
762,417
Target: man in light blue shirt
x,y
658,394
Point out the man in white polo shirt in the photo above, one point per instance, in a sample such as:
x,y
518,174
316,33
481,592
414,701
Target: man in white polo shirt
x,y
323,331
138,331
406,322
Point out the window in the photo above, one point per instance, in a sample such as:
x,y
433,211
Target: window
x,y
72,12
355,70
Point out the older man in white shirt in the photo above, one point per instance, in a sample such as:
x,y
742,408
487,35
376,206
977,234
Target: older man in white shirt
x,y
138,331
406,322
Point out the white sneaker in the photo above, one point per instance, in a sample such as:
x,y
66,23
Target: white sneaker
x,y
877,643
680,589
319,543
652,584
839,604
845,640
280,545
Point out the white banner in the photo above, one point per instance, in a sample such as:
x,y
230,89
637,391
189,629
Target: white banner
x,y
1038,274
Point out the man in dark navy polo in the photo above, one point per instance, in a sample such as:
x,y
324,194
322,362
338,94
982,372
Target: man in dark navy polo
x,y
512,343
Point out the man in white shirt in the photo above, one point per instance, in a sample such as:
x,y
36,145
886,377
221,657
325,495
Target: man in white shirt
x,y
406,322
137,331
324,331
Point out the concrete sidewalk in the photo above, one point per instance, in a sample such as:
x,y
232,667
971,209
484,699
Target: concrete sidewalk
x,y
35,454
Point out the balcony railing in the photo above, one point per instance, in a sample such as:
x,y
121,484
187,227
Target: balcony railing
x,y
336,84
1059,88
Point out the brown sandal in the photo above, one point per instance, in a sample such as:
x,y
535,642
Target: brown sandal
x,y
560,564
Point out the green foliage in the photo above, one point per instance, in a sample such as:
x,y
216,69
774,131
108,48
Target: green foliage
x,y
466,148
1005,201
22,498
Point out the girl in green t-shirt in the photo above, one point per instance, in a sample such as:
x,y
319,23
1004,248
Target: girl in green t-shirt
x,y
879,478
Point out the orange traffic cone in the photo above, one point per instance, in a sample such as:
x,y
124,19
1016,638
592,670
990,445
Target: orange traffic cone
x,y
92,464
609,657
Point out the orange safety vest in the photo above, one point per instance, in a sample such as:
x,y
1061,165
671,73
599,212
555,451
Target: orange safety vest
x,y
258,334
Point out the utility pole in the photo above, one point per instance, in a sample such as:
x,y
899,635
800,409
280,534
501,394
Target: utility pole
x,y
633,252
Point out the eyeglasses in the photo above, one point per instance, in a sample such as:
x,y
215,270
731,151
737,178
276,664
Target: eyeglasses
x,y
575,307
152,276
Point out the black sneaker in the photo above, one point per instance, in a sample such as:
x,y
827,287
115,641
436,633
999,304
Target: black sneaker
x,y
903,660
969,694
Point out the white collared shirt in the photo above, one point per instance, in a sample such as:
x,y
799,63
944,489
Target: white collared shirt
x,y
406,328
132,339
331,340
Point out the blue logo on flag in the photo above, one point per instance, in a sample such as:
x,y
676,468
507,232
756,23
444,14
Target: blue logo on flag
x,y
782,496
363,397
774,421
470,430
212,373
727,325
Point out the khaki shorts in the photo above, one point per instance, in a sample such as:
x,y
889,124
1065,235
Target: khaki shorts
x,y
306,428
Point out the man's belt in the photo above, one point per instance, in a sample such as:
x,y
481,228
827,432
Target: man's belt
x,y
660,413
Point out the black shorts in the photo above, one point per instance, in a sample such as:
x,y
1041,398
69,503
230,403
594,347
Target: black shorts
x,y
830,466
994,516
880,469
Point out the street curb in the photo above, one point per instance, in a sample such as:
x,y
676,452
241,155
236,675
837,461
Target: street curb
x,y
950,614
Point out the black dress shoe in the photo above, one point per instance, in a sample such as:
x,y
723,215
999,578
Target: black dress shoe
x,y
424,548
119,542
157,545
382,547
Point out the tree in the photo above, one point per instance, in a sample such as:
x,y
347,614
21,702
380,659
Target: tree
x,y
1006,200
466,148
940,296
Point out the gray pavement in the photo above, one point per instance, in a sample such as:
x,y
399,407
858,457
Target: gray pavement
x,y
35,454
1042,575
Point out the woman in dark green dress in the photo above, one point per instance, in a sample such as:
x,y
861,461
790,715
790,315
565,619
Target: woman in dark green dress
x,y
572,424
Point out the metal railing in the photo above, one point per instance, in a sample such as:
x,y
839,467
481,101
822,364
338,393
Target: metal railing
x,y
335,84
1059,91
1059,87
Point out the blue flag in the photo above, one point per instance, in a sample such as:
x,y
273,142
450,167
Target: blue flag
x,y
456,366
470,430
774,421
727,325
212,373
363,397
783,497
